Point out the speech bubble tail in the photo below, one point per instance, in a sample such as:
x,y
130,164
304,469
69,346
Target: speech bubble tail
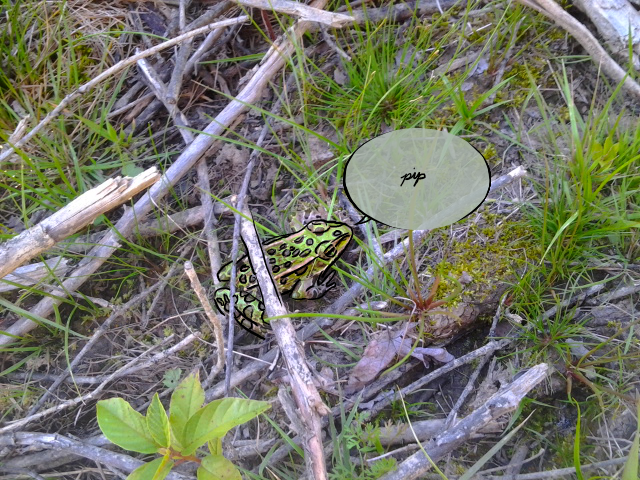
x,y
364,219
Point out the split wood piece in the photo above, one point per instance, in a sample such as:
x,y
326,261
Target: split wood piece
x,y
34,273
505,401
306,395
78,214
163,225
556,13
272,62
304,12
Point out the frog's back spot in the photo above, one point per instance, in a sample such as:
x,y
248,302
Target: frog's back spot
x,y
301,271
309,241
272,260
295,252
276,268
252,279
284,280
305,252
298,239
286,253
287,264
244,268
271,251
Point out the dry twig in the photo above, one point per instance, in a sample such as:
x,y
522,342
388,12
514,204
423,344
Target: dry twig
x,y
137,364
252,91
118,67
213,318
304,12
64,445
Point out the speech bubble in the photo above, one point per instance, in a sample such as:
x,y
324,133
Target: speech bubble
x,y
417,178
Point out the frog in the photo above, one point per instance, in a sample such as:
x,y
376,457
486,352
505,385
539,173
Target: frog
x,y
300,264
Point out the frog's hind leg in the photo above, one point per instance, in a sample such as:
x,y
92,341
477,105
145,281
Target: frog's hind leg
x,y
248,311
311,289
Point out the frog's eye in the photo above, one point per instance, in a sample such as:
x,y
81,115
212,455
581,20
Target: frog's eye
x,y
318,226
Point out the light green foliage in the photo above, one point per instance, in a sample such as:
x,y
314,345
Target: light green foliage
x,y
171,377
178,436
361,439
124,426
218,467
630,471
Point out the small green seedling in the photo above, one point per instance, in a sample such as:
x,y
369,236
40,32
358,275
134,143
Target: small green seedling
x,y
178,436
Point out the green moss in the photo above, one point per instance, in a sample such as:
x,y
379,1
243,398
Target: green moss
x,y
490,153
490,254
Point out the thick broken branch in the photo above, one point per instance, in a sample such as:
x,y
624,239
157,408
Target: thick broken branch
x,y
304,12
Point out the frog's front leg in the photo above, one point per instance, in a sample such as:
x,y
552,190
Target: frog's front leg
x,y
249,310
312,288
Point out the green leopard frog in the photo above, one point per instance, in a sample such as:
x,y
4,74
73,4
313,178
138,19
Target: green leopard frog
x,y
300,264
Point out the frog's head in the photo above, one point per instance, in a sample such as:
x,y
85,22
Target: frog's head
x,y
332,238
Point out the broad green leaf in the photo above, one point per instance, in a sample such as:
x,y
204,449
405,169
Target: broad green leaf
x,y
630,471
216,467
125,427
158,422
217,418
186,400
155,470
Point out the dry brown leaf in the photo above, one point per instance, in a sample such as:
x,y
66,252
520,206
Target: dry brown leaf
x,y
386,346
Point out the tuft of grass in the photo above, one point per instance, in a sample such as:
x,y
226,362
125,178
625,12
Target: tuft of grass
x,y
586,221
591,188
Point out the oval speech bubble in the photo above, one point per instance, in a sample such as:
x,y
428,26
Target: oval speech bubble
x,y
417,178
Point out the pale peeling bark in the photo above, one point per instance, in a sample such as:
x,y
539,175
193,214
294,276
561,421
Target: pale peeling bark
x,y
34,273
78,214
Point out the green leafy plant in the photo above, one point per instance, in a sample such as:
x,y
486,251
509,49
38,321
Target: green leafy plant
x,y
361,438
178,436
